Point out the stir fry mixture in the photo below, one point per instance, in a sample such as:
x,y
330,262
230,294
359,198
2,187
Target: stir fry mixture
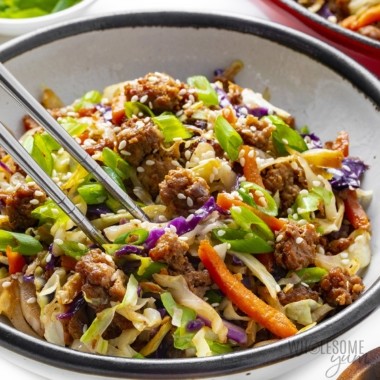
x,y
257,229
362,16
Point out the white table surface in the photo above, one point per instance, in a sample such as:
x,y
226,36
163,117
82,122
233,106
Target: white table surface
x,y
327,361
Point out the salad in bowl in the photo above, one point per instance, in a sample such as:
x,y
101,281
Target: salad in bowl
x,y
257,229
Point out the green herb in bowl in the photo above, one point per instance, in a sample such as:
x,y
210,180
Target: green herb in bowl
x,y
33,8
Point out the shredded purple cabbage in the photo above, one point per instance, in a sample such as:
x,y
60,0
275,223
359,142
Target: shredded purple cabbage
x,y
54,260
5,167
183,225
94,211
325,12
28,278
312,141
105,111
349,174
195,325
129,248
234,332
73,307
241,110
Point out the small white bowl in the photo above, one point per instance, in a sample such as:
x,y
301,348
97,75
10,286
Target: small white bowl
x,y
18,26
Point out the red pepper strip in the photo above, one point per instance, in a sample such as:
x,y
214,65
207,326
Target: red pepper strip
x,y
250,168
242,297
226,201
16,261
354,211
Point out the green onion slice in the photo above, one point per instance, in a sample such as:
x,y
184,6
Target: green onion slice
x,y
21,243
204,90
228,138
171,127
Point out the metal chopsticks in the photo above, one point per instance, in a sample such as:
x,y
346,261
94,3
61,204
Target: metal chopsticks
x,y
22,157
40,115
13,87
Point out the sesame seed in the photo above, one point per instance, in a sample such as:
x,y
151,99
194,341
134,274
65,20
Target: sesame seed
x,y
125,153
134,98
175,163
344,255
263,202
221,232
31,183
294,165
58,241
190,218
122,145
38,193
48,258
150,105
31,300
144,98
140,123
316,183
187,154
304,192
299,240
243,111
179,113
345,261
236,209
147,119
6,284
259,193
81,246
34,201
242,161
189,202
212,178
285,141
140,169
279,238
173,228
181,196
295,216
251,153
182,92
183,238
150,162
162,218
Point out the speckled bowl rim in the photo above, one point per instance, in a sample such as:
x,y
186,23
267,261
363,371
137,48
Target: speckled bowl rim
x,y
236,362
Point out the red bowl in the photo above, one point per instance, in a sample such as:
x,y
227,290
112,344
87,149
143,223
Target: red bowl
x,y
363,49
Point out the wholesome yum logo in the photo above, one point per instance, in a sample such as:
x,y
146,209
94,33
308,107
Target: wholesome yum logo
x,y
340,352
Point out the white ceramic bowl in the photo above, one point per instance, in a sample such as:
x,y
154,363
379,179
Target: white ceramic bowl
x,y
15,27
320,86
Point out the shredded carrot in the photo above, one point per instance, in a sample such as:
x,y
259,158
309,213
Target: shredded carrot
x,y
16,261
250,169
118,109
354,211
226,201
264,314
342,143
370,16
